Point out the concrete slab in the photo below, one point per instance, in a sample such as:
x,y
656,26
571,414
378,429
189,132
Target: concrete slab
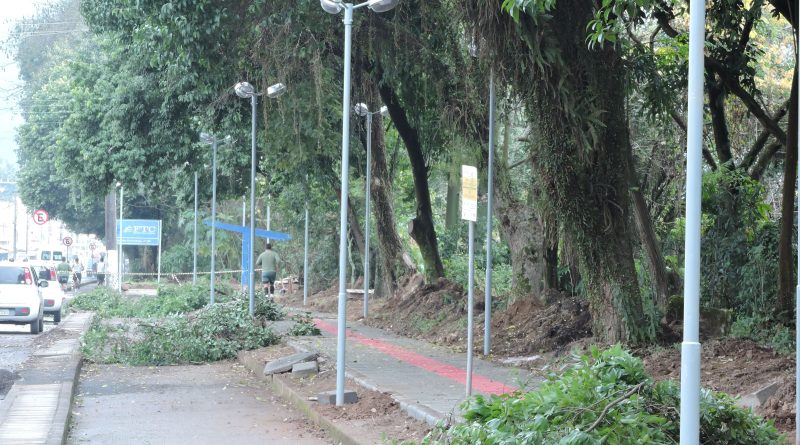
x,y
305,369
285,364
329,397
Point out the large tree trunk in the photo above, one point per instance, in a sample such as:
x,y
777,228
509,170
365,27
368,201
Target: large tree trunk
x,y
785,264
421,228
396,265
584,174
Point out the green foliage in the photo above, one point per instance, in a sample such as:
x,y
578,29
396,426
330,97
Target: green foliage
x,y
739,258
171,299
766,331
304,325
602,398
176,326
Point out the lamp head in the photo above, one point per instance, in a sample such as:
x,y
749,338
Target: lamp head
x,y
228,139
382,5
332,6
244,90
361,109
207,138
276,90
119,184
384,111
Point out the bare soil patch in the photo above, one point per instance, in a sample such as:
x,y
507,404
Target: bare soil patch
x,y
374,417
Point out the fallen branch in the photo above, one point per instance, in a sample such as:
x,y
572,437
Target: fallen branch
x,y
613,403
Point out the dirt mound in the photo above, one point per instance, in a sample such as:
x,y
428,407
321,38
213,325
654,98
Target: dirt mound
x,y
435,311
738,367
528,326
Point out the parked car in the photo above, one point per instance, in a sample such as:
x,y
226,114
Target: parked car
x,y
20,296
53,297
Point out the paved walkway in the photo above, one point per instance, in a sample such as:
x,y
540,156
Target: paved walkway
x,y
36,409
428,381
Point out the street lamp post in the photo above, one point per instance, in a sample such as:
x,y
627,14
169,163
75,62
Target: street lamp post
x,y
194,256
209,139
305,250
245,90
487,328
335,7
361,109
690,348
119,237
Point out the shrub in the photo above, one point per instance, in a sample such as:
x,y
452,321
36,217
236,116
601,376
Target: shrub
x,y
303,325
602,398
212,333
176,326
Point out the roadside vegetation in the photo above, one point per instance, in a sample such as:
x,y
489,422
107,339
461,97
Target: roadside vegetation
x,y
604,397
178,326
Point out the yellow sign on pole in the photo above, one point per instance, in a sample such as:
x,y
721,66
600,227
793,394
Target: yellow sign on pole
x,y
469,193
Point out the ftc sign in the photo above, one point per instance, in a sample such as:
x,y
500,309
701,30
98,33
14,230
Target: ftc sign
x,y
139,232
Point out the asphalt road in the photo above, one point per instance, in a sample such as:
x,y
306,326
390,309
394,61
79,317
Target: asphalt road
x,y
17,344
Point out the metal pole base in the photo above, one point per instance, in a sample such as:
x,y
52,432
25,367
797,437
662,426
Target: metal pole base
x,y
690,393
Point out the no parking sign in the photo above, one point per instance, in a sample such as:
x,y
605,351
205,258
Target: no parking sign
x,y
40,216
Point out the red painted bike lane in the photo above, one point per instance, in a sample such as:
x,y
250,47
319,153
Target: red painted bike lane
x,y
479,383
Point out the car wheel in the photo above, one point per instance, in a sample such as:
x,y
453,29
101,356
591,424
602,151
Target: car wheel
x,y
35,327
57,317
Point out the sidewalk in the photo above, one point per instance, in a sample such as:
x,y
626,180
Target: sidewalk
x,y
36,410
427,381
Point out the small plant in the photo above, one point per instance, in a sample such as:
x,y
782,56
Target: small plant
x,y
304,325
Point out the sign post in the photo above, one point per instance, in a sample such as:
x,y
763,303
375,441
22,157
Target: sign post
x,y
141,232
67,241
469,212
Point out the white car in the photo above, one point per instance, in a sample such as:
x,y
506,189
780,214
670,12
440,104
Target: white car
x,y
53,297
20,297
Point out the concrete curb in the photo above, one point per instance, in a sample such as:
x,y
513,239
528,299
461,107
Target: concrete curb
x,y
300,403
60,429
68,366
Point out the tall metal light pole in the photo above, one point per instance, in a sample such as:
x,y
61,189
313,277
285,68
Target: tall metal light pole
x,y
487,327
361,109
119,237
690,348
245,90
335,7
305,251
209,139
194,250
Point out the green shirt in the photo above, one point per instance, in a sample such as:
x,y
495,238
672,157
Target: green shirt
x,y
269,261
63,268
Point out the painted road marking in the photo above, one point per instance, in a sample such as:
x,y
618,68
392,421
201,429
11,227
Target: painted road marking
x,y
479,382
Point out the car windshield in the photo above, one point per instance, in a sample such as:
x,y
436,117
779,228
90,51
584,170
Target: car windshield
x,y
46,256
57,256
42,272
11,275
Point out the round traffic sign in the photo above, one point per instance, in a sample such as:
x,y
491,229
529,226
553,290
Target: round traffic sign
x,y
40,216
92,246
67,241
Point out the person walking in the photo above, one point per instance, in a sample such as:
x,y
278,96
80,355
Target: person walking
x,y
62,272
269,261
101,271
77,269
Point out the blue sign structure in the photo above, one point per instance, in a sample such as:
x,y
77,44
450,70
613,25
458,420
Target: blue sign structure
x,y
245,231
140,232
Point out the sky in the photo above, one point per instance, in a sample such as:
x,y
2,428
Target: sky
x,y
10,12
